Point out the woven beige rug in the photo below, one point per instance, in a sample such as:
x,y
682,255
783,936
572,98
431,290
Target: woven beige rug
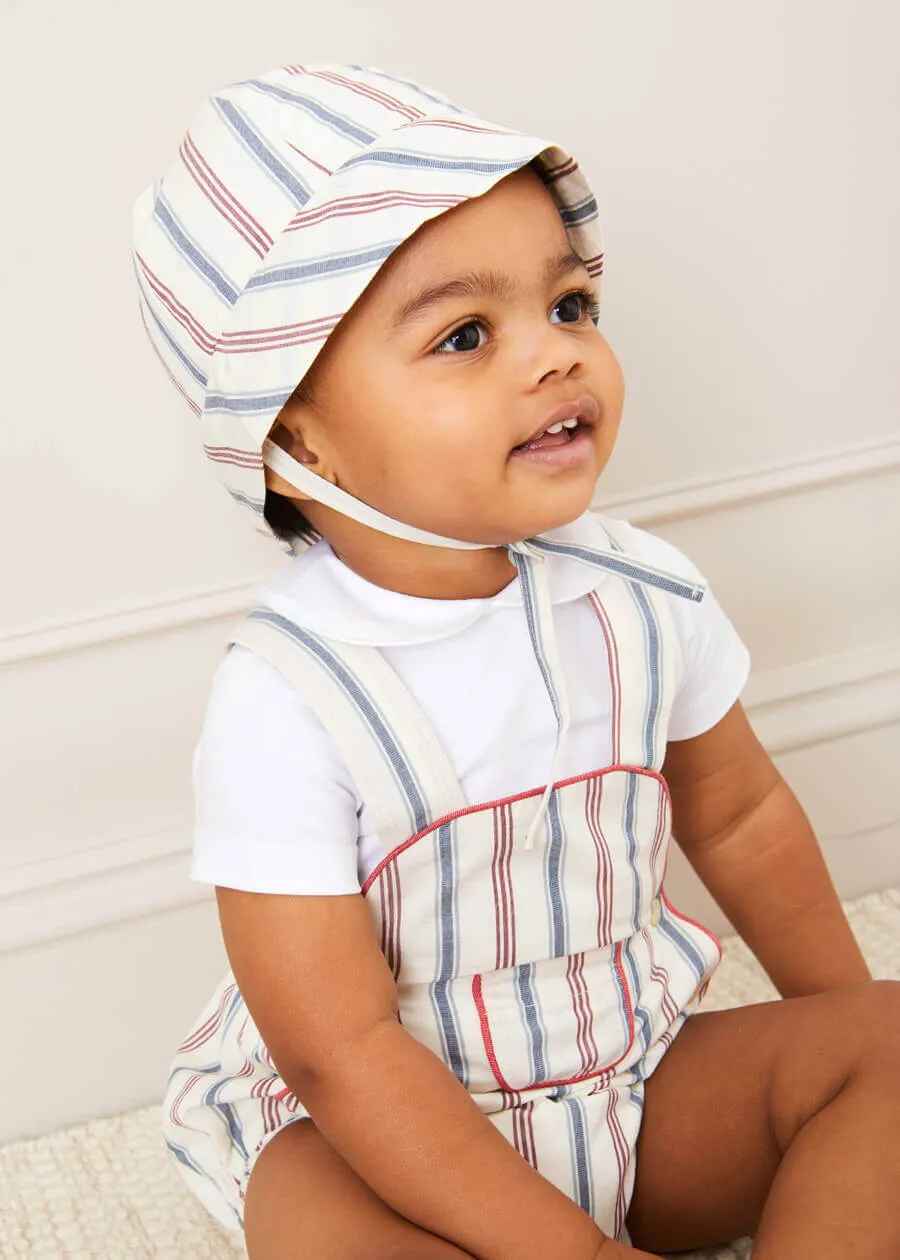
x,y
109,1189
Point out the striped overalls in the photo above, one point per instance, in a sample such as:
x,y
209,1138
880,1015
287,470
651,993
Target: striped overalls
x,y
550,977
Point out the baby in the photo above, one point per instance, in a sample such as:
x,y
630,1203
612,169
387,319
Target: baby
x,y
443,759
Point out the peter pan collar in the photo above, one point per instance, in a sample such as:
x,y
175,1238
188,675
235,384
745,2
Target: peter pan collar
x,y
320,592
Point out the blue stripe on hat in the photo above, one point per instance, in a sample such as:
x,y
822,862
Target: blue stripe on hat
x,y
430,161
325,265
581,212
247,403
199,376
264,154
340,123
255,505
190,250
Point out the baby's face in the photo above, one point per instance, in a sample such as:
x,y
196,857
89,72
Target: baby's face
x,y
462,347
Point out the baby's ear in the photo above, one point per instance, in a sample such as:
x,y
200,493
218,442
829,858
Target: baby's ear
x,y
289,439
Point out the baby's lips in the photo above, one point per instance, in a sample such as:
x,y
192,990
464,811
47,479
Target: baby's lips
x,y
585,409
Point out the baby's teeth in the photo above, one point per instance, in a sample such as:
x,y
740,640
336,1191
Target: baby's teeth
x,y
571,424
555,428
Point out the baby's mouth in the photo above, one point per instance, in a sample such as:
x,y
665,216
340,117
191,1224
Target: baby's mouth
x,y
559,434
564,425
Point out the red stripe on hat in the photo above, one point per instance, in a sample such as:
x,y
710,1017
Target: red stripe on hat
x,y
564,168
198,411
179,312
307,158
233,455
277,338
371,201
247,335
223,199
361,89
452,125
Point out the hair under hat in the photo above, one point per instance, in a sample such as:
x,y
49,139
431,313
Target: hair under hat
x,y
289,192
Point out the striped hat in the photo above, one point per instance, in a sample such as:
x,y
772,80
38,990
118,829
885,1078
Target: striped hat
x,y
289,192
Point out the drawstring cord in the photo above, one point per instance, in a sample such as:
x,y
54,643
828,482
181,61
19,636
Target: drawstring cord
x,y
531,565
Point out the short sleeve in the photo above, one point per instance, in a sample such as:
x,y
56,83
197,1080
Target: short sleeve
x,y
716,669
276,808
716,662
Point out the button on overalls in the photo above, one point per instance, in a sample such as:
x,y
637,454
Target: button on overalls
x,y
550,977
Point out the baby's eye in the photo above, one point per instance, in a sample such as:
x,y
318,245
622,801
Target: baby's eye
x,y
576,306
466,337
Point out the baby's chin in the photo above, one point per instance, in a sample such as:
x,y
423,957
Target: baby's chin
x,y
556,510
529,524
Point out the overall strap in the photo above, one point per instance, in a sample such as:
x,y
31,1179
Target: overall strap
x,y
647,585
399,765
645,661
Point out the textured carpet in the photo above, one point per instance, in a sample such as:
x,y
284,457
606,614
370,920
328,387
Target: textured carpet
x,y
109,1188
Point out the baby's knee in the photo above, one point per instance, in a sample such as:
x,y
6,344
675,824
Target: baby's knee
x,y
865,1025
880,1022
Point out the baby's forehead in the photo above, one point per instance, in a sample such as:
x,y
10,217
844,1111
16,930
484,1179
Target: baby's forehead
x,y
513,230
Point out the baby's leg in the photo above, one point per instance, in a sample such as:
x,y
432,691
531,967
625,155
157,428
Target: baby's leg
x,y
783,1120
303,1200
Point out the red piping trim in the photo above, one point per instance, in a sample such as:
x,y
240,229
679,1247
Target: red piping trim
x,y
486,1037
507,800
488,1040
620,970
693,922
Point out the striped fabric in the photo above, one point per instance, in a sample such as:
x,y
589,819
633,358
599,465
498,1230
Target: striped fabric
x,y
550,980
289,192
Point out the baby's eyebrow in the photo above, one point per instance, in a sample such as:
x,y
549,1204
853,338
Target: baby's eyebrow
x,y
493,284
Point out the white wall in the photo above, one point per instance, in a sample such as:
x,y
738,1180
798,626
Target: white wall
x,y
746,161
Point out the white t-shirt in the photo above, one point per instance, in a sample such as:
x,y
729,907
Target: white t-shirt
x,y
277,808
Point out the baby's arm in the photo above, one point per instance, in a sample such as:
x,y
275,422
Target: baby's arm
x,y
745,834
325,1002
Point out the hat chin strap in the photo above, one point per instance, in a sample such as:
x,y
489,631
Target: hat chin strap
x,y
301,478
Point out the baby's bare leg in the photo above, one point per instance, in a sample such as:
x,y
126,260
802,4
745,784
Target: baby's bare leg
x,y
783,1120
303,1200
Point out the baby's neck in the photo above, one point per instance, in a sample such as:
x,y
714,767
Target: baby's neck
x,y
426,572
